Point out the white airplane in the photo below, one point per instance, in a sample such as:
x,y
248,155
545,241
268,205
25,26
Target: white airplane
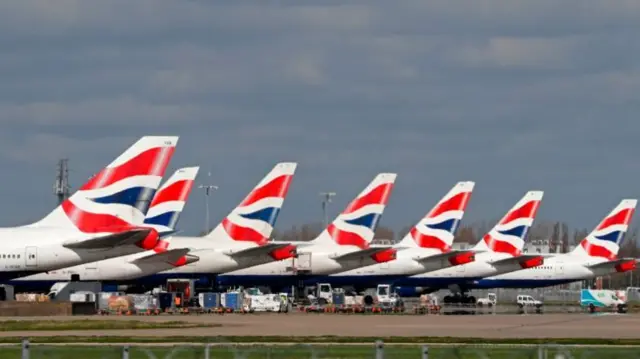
x,y
595,256
103,219
343,245
163,215
427,247
240,240
499,251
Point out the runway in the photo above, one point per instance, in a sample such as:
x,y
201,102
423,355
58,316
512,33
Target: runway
x,y
297,324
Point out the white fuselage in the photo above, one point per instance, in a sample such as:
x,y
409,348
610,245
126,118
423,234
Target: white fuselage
x,y
559,269
27,250
403,265
313,260
479,268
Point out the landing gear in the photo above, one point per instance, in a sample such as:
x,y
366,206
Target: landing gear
x,y
459,303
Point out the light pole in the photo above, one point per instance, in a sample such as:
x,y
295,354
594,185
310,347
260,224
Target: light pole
x,y
326,199
207,192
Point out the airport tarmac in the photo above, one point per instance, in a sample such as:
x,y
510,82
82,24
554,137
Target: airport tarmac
x,y
298,324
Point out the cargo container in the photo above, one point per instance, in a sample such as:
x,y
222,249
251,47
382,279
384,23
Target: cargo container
x,y
209,300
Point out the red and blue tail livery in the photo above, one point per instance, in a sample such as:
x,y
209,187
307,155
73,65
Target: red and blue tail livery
x,y
170,200
508,235
255,217
605,240
356,225
437,229
117,197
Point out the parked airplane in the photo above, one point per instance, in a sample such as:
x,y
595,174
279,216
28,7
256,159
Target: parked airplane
x,y
343,245
101,220
163,215
595,256
427,247
499,251
242,238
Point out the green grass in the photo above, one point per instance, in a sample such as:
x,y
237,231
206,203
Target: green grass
x,y
323,340
88,324
300,352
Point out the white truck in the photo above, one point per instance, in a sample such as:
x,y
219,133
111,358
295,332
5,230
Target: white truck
x,y
489,301
524,301
602,298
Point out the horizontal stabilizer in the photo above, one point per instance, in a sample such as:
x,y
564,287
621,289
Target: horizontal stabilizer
x,y
617,265
365,253
130,237
257,251
446,259
170,256
525,261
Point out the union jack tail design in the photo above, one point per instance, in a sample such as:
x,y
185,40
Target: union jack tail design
x,y
118,197
170,200
605,240
437,229
356,225
254,218
508,235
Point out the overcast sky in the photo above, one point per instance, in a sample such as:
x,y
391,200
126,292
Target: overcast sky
x,y
515,95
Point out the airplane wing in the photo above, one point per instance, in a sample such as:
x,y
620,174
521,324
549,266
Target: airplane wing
x,y
447,259
360,254
525,261
110,240
170,256
257,251
612,265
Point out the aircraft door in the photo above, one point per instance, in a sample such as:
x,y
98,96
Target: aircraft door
x,y
31,256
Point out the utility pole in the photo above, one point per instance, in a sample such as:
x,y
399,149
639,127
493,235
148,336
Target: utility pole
x,y
207,192
326,199
61,186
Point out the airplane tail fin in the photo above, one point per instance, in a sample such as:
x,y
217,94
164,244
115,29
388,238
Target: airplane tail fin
x,y
508,235
254,218
437,229
356,225
118,196
604,241
170,200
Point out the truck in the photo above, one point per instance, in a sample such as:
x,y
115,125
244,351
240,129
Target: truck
x,y
523,301
489,301
595,299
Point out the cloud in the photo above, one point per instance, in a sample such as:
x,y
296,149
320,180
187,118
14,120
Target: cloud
x,y
513,95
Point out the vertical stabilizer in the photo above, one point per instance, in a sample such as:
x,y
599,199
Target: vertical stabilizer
x,y
509,234
605,240
437,229
254,218
118,196
356,225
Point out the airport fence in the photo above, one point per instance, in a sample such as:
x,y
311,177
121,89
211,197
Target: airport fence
x,y
377,350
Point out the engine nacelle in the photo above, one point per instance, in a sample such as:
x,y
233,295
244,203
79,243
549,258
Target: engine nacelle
x,y
286,252
626,266
462,258
384,256
533,262
150,241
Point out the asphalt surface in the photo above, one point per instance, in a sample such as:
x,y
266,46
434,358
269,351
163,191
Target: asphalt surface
x,y
299,324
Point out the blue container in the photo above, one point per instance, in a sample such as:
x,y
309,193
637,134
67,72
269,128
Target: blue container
x,y
210,300
231,300
166,300
338,298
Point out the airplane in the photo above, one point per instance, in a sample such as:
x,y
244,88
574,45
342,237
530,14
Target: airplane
x,y
595,256
343,245
103,219
427,247
240,240
163,215
499,251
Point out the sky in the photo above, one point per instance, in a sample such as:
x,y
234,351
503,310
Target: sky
x,y
514,95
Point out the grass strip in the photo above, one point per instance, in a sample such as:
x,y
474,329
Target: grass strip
x,y
325,339
89,324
